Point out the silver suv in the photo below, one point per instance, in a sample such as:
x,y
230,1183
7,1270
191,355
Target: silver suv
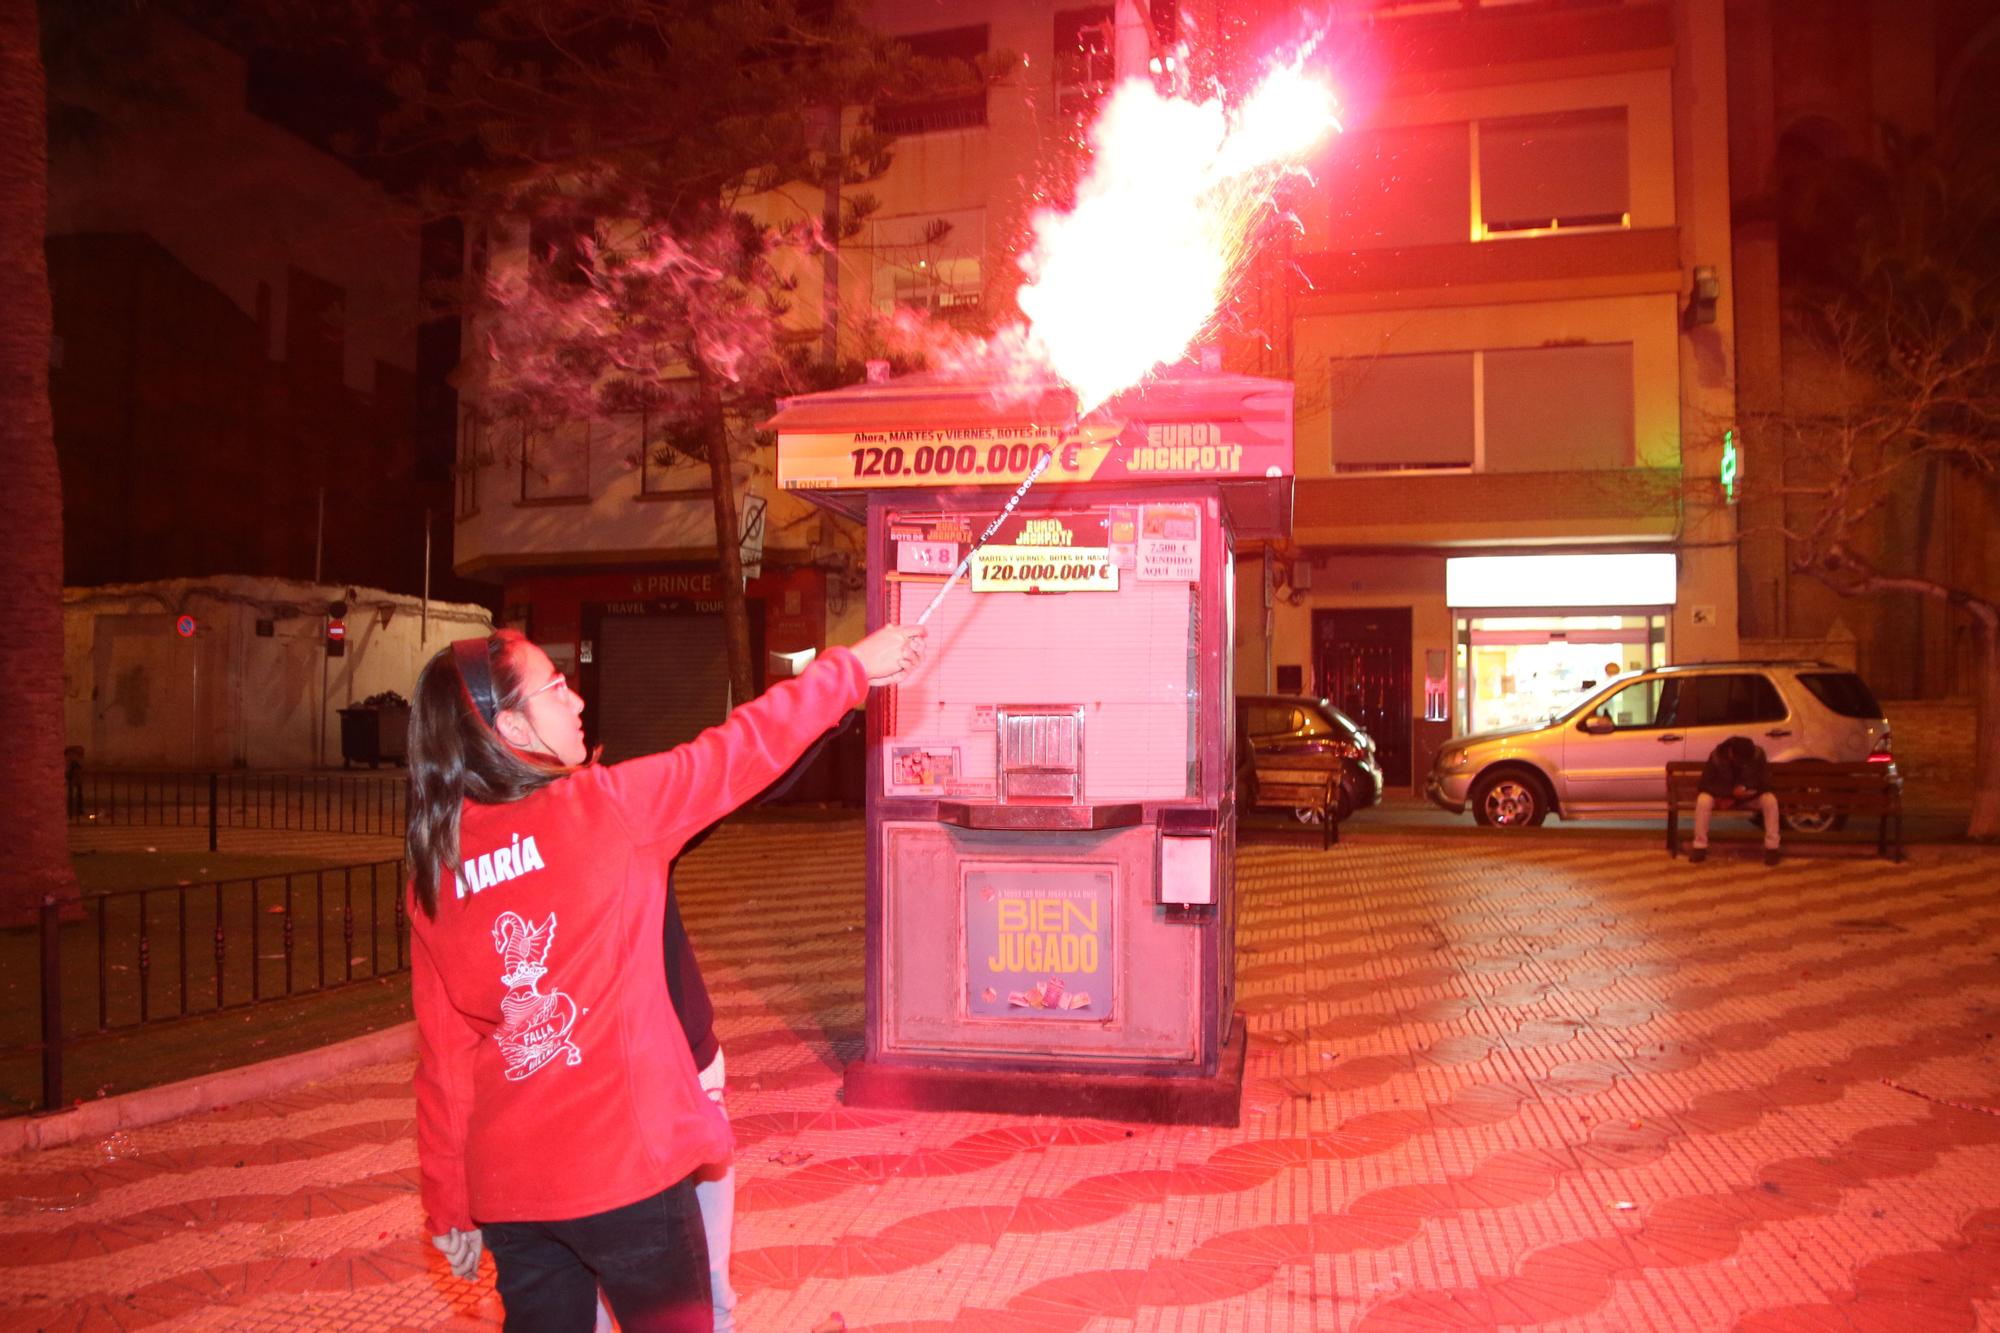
x,y
1607,755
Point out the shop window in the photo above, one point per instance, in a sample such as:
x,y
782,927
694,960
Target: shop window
x,y
1558,409
1554,172
1403,413
555,461
1394,187
1529,669
930,262
959,102
1734,700
1084,62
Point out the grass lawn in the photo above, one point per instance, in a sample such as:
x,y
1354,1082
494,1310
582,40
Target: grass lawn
x,y
275,926
108,872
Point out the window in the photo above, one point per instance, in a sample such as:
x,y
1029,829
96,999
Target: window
x,y
1535,409
1311,722
562,248
471,439
1539,173
1404,413
1441,184
1558,409
1637,706
1084,62
1395,187
555,461
930,263
1843,692
958,103
1734,700
670,458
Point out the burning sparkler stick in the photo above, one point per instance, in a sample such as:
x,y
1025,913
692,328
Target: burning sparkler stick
x,y
1041,465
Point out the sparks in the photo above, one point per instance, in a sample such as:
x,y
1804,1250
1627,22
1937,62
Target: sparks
x,y
1128,279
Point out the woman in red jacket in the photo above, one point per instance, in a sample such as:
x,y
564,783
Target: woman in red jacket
x,y
559,1114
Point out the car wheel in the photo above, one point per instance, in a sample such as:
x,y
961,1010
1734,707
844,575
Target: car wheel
x,y
1509,799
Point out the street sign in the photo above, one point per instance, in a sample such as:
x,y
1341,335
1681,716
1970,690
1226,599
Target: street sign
x,y
750,527
185,627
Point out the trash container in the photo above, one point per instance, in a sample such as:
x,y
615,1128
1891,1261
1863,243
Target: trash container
x,y
373,735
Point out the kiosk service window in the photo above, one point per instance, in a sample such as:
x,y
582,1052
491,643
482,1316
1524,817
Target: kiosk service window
x,y
1066,672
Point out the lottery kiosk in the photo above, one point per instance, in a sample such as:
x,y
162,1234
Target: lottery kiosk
x,y
1051,801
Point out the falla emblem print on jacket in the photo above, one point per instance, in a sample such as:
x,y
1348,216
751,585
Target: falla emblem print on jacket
x,y
534,1028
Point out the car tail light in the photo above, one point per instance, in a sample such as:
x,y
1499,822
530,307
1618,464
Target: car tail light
x,y
1880,754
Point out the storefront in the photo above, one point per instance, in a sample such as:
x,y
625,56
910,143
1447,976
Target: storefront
x,y
1532,633
645,648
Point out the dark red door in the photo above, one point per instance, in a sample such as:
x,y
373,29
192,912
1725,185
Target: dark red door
x,y
1361,661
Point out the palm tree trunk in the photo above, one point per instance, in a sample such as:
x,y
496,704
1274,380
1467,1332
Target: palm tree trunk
x,y
1985,821
31,644
728,552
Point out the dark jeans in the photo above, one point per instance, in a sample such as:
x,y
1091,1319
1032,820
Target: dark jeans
x,y
649,1257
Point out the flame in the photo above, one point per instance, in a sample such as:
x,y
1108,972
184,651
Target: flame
x,y
1129,278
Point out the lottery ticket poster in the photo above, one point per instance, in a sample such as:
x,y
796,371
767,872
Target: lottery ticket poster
x,y
1169,543
921,770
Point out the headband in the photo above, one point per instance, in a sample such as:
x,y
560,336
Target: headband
x,y
475,668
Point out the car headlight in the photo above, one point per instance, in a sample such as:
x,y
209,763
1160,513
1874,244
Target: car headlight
x,y
1454,759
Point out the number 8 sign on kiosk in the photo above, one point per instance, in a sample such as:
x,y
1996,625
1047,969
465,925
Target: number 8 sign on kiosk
x,y
1051,804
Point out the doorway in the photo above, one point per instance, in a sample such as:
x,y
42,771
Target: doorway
x,y
1361,661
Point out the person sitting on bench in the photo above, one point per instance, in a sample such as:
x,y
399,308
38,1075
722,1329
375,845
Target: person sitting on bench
x,y
1736,777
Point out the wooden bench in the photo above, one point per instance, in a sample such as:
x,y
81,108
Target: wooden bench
x,y
1840,789
1299,782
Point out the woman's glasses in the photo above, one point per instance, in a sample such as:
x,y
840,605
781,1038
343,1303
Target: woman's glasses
x,y
557,682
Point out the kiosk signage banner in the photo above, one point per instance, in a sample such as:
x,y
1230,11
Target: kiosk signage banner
x,y
1005,455
1038,941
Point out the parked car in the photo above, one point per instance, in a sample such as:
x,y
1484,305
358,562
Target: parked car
x,y
1607,755
1283,724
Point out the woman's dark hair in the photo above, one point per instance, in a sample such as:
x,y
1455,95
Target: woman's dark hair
x,y
457,756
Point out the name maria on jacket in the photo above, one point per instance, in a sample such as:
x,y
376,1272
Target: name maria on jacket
x,y
482,872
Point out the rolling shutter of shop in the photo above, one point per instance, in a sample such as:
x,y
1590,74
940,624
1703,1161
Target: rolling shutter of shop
x,y
661,680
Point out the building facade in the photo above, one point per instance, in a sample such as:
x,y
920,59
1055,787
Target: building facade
x,y
1513,399
1506,306
235,380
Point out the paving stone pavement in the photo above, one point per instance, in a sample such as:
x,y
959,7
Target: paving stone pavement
x,y
1494,1082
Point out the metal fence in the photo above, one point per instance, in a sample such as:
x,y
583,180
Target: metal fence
x,y
141,957
304,802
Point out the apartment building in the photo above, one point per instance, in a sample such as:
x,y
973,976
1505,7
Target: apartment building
x,y
605,543
1508,316
1506,306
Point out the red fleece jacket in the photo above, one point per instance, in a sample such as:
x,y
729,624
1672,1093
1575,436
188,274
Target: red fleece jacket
x,y
553,1079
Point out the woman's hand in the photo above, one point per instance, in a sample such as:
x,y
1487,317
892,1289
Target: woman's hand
x,y
891,653
461,1251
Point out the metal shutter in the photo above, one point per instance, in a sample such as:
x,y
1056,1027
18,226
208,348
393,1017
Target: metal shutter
x,y
661,680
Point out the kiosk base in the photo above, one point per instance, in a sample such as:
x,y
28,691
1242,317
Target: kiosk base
x,y
1149,1098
